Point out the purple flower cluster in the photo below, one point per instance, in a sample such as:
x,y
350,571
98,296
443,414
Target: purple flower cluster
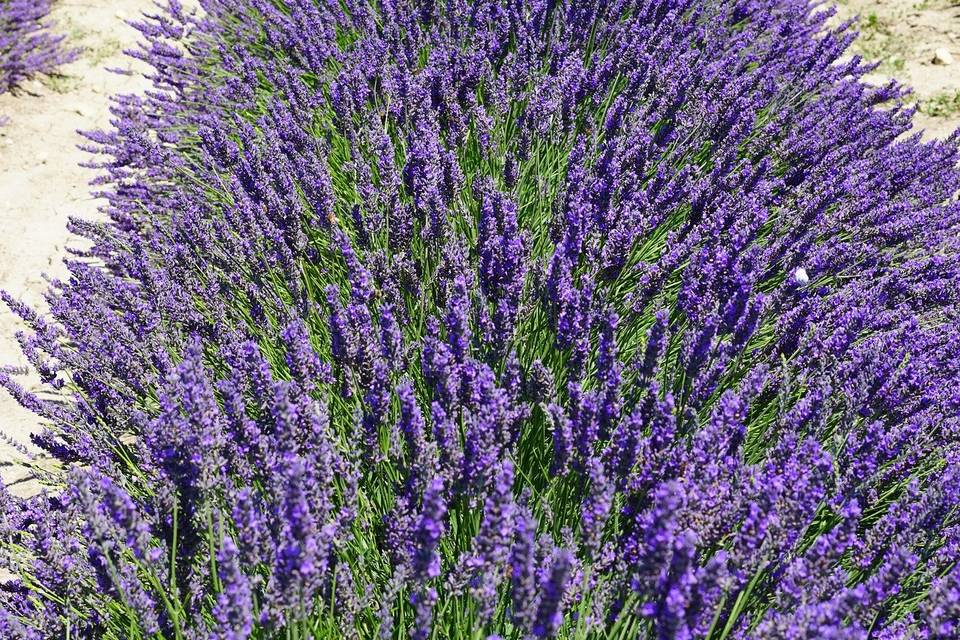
x,y
26,47
484,318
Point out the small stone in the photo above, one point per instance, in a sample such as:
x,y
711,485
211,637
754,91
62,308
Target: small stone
x,y
942,56
33,86
801,276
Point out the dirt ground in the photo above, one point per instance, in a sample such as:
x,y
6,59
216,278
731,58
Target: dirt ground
x,y
41,182
904,37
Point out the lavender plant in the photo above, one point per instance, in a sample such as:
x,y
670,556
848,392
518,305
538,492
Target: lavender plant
x,y
26,47
500,320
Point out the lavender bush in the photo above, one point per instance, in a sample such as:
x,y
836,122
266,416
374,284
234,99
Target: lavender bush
x,y
26,47
501,320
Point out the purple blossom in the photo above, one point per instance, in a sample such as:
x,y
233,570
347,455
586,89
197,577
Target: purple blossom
x,y
429,529
485,565
549,613
234,609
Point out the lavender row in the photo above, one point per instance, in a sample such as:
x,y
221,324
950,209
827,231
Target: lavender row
x,y
525,319
26,47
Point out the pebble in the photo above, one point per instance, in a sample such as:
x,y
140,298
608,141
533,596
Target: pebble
x,y
33,86
942,56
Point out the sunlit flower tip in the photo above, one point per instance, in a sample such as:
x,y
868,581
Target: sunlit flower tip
x,y
800,276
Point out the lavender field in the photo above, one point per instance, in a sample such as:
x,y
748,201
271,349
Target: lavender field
x,y
510,319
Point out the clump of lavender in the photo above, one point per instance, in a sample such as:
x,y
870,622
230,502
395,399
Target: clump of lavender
x,y
524,319
26,46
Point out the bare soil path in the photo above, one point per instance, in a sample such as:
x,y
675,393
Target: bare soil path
x,y
908,38
41,180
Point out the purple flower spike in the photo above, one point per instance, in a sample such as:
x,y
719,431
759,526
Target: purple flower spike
x,y
549,613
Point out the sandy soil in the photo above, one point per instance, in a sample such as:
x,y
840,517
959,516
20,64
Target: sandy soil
x,y
904,36
41,182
